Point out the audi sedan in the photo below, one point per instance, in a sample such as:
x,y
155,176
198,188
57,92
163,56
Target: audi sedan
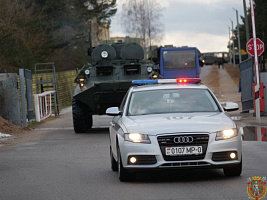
x,y
167,125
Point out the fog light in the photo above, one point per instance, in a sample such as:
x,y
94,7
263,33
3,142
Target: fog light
x,y
133,160
232,155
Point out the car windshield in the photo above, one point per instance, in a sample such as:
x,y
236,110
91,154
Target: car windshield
x,y
171,101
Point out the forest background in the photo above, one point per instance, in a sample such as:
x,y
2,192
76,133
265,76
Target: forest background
x,y
36,31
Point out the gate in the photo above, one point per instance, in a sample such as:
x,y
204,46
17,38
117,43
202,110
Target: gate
x,y
246,76
45,77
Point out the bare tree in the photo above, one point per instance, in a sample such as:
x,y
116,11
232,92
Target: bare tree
x,y
142,18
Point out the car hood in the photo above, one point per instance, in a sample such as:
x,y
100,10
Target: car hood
x,y
173,123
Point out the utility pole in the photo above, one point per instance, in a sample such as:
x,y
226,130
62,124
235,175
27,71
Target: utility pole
x,y
246,22
230,42
90,33
233,41
238,35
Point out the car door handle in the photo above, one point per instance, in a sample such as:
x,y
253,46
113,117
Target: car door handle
x,y
112,124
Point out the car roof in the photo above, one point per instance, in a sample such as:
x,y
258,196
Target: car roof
x,y
167,86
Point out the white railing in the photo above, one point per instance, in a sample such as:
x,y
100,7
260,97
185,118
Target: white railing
x,y
43,106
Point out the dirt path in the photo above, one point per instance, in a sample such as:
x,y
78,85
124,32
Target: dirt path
x,y
223,82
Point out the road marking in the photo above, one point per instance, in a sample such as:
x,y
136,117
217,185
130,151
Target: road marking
x,y
51,129
66,128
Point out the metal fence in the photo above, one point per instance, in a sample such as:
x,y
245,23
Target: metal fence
x,y
246,82
65,85
263,78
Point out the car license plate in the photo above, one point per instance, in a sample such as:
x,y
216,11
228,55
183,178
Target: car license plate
x,y
188,150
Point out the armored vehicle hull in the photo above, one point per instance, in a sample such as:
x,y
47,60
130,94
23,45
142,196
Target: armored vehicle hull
x,y
104,83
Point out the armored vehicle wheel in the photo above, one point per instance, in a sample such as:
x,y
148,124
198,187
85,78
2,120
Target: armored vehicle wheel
x,y
82,117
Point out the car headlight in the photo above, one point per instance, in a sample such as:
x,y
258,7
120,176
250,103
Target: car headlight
x,y
226,134
137,138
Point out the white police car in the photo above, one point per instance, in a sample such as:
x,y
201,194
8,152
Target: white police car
x,y
165,125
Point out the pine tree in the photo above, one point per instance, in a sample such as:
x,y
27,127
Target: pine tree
x,y
34,31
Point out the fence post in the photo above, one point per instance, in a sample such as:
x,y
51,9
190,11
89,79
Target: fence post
x,y
23,97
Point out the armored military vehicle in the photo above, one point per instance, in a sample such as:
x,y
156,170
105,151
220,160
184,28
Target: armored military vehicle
x,y
105,81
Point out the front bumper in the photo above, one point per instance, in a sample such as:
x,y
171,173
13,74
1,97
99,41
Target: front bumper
x,y
151,155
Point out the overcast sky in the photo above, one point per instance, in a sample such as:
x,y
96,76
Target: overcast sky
x,y
199,23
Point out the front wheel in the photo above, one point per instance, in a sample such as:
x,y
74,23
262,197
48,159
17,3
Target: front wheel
x,y
233,171
82,117
114,163
124,175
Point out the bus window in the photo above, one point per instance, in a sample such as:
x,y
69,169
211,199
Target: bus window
x,y
179,62
179,59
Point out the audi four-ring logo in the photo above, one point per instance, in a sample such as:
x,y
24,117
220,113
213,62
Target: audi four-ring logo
x,y
183,139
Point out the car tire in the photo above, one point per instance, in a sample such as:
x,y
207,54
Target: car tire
x,y
82,117
233,171
124,175
114,163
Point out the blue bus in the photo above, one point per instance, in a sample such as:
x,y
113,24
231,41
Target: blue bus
x,y
179,62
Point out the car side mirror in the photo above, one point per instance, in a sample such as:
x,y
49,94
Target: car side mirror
x,y
230,106
113,111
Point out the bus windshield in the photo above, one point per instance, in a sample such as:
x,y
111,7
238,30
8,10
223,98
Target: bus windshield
x,y
179,59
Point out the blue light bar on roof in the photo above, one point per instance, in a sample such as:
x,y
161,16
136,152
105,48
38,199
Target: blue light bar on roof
x,y
140,82
188,80
159,81
167,80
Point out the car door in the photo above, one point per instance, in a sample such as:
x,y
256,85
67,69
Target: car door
x,y
115,127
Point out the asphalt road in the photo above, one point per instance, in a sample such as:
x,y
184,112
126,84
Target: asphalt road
x,y
59,164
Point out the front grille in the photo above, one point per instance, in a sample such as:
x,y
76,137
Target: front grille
x,y
185,164
223,156
198,140
143,160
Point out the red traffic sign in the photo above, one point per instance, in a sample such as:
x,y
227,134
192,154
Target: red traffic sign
x,y
250,47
